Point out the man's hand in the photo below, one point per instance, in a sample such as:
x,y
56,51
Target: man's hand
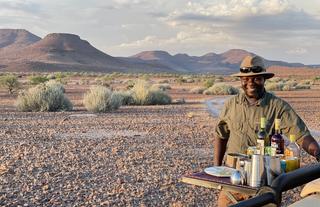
x,y
310,145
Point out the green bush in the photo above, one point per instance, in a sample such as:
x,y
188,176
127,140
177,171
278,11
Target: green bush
x,y
9,82
35,80
208,83
126,97
221,89
158,97
101,99
44,98
53,83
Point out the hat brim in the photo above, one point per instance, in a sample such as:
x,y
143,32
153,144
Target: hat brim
x,y
266,75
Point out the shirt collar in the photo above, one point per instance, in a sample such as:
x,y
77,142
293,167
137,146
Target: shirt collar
x,y
261,102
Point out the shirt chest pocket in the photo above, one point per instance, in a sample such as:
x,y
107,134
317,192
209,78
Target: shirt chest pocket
x,y
236,124
241,134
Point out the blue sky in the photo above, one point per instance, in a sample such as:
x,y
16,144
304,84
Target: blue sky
x,y
286,30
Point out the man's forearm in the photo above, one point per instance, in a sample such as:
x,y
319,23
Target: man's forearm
x,y
219,150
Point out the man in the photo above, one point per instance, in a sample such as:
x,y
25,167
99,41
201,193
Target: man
x,y
236,128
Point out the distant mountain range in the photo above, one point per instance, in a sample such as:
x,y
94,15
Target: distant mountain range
x,y
21,50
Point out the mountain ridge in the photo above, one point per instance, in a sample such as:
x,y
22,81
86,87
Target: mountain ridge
x,y
21,50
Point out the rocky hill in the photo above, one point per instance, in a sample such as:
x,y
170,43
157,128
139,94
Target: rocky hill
x,y
21,50
66,52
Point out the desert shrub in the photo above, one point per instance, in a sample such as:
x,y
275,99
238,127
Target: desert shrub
x,y
233,79
302,86
130,84
44,98
51,76
197,90
208,83
276,79
286,85
146,77
221,89
9,82
140,91
126,97
306,82
162,87
37,79
189,80
273,86
316,78
287,88
101,99
61,77
164,81
219,79
291,83
158,97
143,94
54,83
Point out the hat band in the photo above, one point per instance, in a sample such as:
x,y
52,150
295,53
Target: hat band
x,y
254,69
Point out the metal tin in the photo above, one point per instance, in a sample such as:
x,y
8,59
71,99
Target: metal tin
x,y
272,167
247,169
257,170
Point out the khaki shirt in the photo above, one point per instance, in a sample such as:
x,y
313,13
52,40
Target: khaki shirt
x,y
239,121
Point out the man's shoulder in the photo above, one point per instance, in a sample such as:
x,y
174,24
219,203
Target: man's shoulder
x,y
234,99
275,100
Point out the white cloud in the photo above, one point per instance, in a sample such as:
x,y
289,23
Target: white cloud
x,y
297,51
235,8
200,36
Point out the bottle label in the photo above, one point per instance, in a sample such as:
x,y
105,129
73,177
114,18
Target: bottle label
x,y
260,146
274,145
288,153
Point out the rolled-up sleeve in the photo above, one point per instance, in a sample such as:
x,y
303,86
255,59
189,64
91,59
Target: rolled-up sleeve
x,y
222,129
291,123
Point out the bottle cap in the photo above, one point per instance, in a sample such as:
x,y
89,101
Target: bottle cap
x,y
292,138
263,122
277,123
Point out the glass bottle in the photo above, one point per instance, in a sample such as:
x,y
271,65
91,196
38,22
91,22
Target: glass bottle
x,y
261,136
292,154
277,141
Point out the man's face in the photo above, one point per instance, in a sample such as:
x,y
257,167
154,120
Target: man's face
x,y
253,86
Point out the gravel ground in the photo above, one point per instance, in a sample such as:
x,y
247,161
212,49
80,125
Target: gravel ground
x,y
131,157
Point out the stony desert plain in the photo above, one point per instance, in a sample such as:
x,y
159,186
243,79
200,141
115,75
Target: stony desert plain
x,y
133,156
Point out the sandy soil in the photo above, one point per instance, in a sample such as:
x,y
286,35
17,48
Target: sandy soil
x,y
131,157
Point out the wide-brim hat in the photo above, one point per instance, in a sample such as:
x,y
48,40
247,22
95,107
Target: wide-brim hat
x,y
253,66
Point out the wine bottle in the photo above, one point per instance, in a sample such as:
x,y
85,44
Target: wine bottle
x,y
262,136
277,141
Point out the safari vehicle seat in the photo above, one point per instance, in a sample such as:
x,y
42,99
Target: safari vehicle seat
x,y
309,200
310,188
